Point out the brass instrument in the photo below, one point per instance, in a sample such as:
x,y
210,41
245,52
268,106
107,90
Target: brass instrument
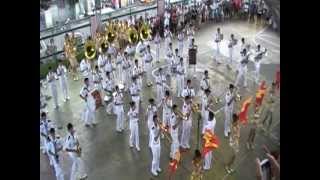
x,y
181,115
133,36
145,32
195,107
111,33
89,49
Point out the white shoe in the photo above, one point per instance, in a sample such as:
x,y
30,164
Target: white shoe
x,y
154,173
64,100
138,149
159,170
68,98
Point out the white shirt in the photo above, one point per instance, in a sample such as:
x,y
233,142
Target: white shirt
x,y
71,143
155,130
173,121
62,71
134,89
227,99
85,67
180,37
148,57
55,146
51,78
45,126
101,61
140,48
167,105
210,125
151,111
118,99
130,50
188,92
120,58
125,64
187,109
205,84
136,71
180,69
167,34
108,66
108,84
160,79
157,40
133,115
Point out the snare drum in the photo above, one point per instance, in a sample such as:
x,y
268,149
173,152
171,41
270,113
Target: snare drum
x,y
97,97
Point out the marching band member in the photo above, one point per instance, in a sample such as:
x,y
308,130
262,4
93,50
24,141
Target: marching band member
x,y
45,126
174,129
119,61
167,19
243,69
190,34
108,86
148,64
135,92
243,45
188,90
204,108
160,81
118,109
62,74
55,146
167,36
97,79
180,42
140,49
51,79
111,50
232,43
137,73
228,109
108,67
204,83
166,108
72,146
151,111
169,58
180,77
155,147
89,109
218,38
102,62
131,50
126,69
85,69
209,126
157,40
257,61
187,123
134,128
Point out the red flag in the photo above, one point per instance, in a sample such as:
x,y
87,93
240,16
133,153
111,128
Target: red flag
x,y
260,94
211,142
173,164
243,117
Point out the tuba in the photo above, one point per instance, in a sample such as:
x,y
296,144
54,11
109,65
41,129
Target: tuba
x,y
110,33
133,36
90,50
145,32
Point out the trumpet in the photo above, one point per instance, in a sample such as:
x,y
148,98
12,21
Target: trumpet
x,y
165,131
182,115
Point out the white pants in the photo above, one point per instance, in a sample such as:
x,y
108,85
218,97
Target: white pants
x,y
58,170
257,72
166,118
228,115
120,117
158,52
64,87
180,48
160,93
54,93
88,114
207,160
156,149
218,50
134,134
241,75
126,78
180,84
204,115
136,100
186,129
148,70
230,54
119,73
175,143
150,132
78,169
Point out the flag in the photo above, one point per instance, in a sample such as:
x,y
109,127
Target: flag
x,y
211,142
243,117
260,94
173,164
